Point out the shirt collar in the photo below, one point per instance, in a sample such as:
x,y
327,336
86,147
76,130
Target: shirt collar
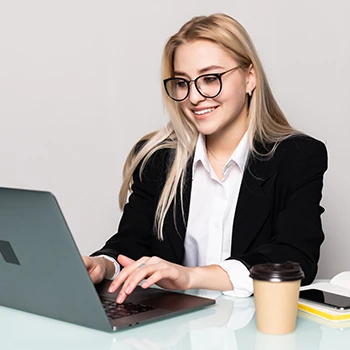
x,y
200,155
239,156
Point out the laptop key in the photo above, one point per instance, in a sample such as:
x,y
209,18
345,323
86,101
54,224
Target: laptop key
x,y
115,311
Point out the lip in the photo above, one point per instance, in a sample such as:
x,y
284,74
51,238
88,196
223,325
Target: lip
x,y
205,115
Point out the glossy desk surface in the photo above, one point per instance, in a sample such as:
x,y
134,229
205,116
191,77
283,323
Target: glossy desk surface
x,y
230,324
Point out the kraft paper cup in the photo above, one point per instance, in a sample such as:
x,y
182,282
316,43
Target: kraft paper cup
x,y
276,295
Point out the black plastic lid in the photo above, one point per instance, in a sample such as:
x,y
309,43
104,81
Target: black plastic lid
x,y
288,271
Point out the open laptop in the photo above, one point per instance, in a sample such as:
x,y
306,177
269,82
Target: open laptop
x,y
41,271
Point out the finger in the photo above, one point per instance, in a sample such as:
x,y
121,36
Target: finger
x,y
134,280
125,273
144,270
165,271
124,260
156,277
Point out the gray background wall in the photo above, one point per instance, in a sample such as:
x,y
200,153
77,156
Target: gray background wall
x,y
80,83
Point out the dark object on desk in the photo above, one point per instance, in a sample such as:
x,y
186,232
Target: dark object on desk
x,y
327,299
52,280
288,271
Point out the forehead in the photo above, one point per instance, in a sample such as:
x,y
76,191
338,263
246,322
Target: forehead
x,y
196,55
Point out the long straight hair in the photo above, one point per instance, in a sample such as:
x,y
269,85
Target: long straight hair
x,y
266,122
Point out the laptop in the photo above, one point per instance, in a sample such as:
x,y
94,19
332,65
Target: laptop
x,y
42,272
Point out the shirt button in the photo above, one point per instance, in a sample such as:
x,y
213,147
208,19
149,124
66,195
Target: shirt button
x,y
216,225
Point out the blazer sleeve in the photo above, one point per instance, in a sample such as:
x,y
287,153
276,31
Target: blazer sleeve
x,y
295,222
135,231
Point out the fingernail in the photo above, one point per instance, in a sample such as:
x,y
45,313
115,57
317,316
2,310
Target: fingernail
x,y
127,290
120,299
111,290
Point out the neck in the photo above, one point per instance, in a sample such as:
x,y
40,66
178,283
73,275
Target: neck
x,y
224,144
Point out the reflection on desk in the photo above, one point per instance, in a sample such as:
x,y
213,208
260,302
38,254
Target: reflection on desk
x,y
230,324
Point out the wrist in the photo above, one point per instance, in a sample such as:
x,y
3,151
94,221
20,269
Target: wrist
x,y
197,277
107,266
193,277
212,277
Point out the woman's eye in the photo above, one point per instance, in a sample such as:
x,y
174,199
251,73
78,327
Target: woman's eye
x,y
210,79
181,84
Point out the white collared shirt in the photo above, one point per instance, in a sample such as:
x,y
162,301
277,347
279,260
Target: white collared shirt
x,y
212,210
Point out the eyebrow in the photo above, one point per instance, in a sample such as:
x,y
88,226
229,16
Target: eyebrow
x,y
200,71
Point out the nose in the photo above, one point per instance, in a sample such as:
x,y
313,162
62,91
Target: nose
x,y
194,96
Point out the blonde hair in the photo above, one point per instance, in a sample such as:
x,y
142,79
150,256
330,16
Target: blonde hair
x,y
266,122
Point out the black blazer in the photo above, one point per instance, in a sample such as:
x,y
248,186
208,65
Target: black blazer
x,y
277,217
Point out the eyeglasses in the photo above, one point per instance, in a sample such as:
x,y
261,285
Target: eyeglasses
x,y
208,85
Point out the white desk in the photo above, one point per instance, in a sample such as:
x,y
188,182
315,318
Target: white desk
x,y
230,324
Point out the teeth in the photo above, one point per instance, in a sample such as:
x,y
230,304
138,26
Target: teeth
x,y
204,111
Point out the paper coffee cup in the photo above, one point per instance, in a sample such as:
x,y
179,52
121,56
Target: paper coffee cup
x,y
276,295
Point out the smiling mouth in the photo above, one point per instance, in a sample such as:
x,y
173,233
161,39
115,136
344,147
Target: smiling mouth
x,y
204,111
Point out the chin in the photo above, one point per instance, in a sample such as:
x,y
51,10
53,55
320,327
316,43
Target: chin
x,y
206,131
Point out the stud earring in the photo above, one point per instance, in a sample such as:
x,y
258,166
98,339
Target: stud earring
x,y
249,92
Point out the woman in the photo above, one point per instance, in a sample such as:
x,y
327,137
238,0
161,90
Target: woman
x,y
227,184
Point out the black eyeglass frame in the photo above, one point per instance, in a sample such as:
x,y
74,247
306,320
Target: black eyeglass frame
x,y
217,75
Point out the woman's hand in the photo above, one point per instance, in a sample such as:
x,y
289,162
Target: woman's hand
x,y
98,268
166,275
154,271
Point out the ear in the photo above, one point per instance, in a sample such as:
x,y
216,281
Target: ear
x,y
250,79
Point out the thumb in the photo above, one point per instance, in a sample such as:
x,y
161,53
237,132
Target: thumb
x,y
124,260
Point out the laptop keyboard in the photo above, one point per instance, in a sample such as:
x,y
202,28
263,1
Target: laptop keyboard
x,y
114,310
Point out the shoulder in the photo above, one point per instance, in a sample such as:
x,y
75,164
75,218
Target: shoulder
x,y
299,144
294,146
296,154
155,163
299,149
300,157
162,154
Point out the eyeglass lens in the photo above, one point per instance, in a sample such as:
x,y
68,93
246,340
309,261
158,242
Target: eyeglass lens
x,y
208,86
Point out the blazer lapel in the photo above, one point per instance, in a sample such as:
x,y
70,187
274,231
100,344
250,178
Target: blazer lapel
x,y
253,205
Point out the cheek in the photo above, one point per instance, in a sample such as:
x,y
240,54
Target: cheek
x,y
234,103
239,89
184,107
236,96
